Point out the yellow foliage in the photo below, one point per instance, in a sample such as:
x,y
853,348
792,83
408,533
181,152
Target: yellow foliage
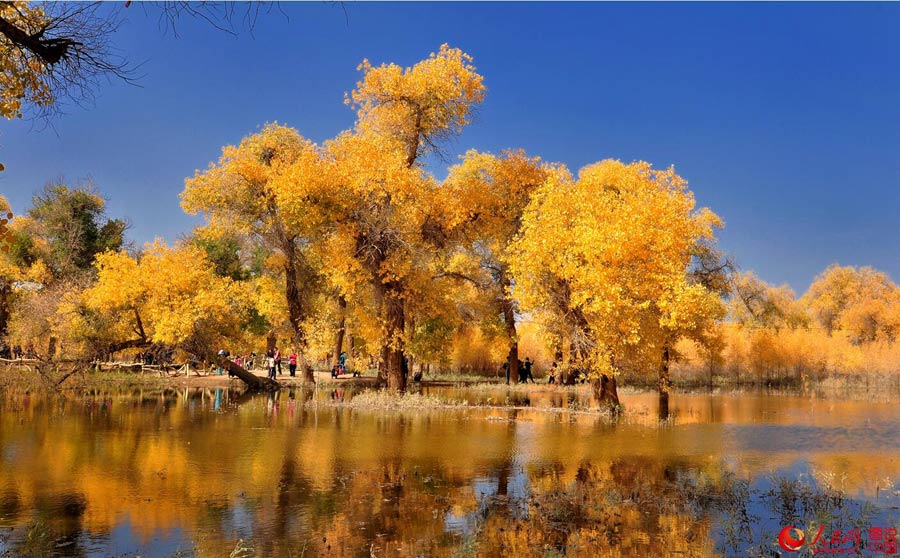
x,y
607,256
171,295
429,101
23,77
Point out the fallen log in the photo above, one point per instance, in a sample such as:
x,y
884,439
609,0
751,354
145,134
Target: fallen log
x,y
253,381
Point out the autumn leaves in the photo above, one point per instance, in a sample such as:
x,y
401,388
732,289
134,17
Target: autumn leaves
x,y
601,260
359,230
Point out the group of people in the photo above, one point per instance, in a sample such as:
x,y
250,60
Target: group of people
x,y
15,352
273,361
525,372
340,368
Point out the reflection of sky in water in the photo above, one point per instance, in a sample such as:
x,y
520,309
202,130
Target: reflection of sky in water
x,y
875,437
487,489
796,496
122,541
475,465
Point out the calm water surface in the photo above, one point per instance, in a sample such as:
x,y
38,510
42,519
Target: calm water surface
x,y
216,473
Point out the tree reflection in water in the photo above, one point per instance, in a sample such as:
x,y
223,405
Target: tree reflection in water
x,y
190,473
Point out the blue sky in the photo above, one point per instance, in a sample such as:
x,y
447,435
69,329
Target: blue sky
x,y
785,118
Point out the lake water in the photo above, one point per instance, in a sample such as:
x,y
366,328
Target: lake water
x,y
216,473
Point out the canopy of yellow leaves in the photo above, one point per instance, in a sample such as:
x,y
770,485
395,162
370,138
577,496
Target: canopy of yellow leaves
x,y
174,291
610,252
22,76
861,301
421,105
237,193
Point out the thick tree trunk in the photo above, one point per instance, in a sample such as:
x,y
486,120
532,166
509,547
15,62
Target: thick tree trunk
x,y
253,381
5,302
509,320
309,376
296,309
393,364
49,50
606,393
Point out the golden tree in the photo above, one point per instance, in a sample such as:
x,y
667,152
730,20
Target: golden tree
x,y
238,196
608,255
863,302
170,295
53,246
378,202
484,197
22,76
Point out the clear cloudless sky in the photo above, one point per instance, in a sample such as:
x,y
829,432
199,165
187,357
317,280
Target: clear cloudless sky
x,y
785,118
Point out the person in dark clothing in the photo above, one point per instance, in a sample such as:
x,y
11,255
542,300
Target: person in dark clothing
x,y
506,369
551,377
527,368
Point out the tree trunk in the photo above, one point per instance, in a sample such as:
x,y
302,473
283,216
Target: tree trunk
x,y
606,393
665,383
296,309
509,319
339,335
309,374
5,301
253,381
392,358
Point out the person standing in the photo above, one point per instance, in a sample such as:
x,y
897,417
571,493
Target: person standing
x,y
277,356
292,362
222,354
270,360
528,365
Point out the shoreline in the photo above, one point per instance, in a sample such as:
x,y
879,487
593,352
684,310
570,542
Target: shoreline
x,y
875,387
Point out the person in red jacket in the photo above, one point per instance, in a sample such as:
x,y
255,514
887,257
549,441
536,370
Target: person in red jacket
x,y
292,362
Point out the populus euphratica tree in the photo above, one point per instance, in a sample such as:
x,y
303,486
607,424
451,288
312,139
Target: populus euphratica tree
x,y
607,256
238,197
484,198
379,200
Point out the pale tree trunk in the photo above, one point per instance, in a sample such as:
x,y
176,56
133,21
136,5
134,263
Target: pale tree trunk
x,y
253,381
